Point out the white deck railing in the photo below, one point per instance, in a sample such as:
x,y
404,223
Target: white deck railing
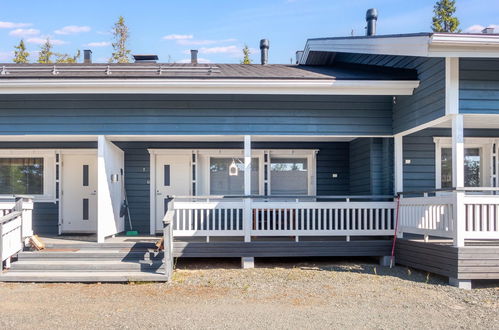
x,y
212,216
457,214
481,218
429,216
15,226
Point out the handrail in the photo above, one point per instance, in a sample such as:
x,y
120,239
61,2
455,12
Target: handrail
x,y
10,216
347,197
460,189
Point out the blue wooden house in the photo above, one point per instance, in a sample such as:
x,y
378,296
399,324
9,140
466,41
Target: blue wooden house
x,y
259,160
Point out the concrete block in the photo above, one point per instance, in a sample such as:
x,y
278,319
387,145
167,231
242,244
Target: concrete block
x,y
247,262
384,261
461,284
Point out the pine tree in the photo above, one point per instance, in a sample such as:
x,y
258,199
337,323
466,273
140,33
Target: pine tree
x,y
65,58
46,53
20,54
444,19
246,54
120,32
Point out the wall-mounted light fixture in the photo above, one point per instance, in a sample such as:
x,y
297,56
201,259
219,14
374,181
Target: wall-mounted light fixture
x,y
233,170
115,178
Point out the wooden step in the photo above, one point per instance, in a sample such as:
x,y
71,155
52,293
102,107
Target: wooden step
x,y
92,254
82,277
84,265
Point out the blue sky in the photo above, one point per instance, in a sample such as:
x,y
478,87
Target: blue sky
x,y
218,28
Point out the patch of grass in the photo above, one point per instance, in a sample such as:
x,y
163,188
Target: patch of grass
x,y
138,282
179,277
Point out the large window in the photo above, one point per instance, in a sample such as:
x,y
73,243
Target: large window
x,y
289,176
21,176
472,167
222,182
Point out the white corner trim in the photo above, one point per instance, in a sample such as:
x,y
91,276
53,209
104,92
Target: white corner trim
x,y
451,85
206,86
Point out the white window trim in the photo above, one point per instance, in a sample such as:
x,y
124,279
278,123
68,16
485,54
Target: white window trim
x,y
310,154
485,146
204,155
206,178
49,170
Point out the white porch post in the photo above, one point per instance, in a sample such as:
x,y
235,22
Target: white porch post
x,y
247,189
399,165
458,177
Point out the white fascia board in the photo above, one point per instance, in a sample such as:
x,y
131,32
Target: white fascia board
x,y
205,86
404,46
434,45
463,45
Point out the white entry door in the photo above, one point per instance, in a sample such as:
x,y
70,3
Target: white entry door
x,y
173,177
79,193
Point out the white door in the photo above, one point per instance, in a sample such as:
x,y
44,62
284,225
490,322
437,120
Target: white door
x,y
173,177
79,193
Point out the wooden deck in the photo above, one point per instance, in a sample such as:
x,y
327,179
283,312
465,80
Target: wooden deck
x,y
477,260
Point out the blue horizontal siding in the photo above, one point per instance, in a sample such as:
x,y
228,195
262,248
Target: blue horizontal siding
x,y
428,101
371,166
479,86
195,114
332,158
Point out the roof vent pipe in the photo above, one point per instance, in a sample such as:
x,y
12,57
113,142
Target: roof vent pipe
x,y
371,18
488,30
194,56
87,56
264,49
299,54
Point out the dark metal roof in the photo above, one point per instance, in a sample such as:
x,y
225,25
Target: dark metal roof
x,y
203,71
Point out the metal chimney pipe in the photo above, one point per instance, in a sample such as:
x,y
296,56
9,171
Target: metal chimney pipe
x,y
87,56
488,30
194,56
299,54
371,18
264,49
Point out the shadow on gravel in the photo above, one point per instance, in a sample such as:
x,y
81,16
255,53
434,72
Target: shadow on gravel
x,y
359,265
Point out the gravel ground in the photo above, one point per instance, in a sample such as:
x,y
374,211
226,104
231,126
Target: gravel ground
x,y
293,294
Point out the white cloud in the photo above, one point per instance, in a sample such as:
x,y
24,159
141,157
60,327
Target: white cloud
x,y
12,25
6,56
477,28
203,42
72,29
105,33
178,36
24,32
200,60
98,44
219,49
40,41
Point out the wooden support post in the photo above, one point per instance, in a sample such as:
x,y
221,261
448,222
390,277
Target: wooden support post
x,y
247,211
168,240
168,250
458,178
398,164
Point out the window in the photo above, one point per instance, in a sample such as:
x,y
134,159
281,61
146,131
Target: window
x,y
288,176
221,183
472,167
21,176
